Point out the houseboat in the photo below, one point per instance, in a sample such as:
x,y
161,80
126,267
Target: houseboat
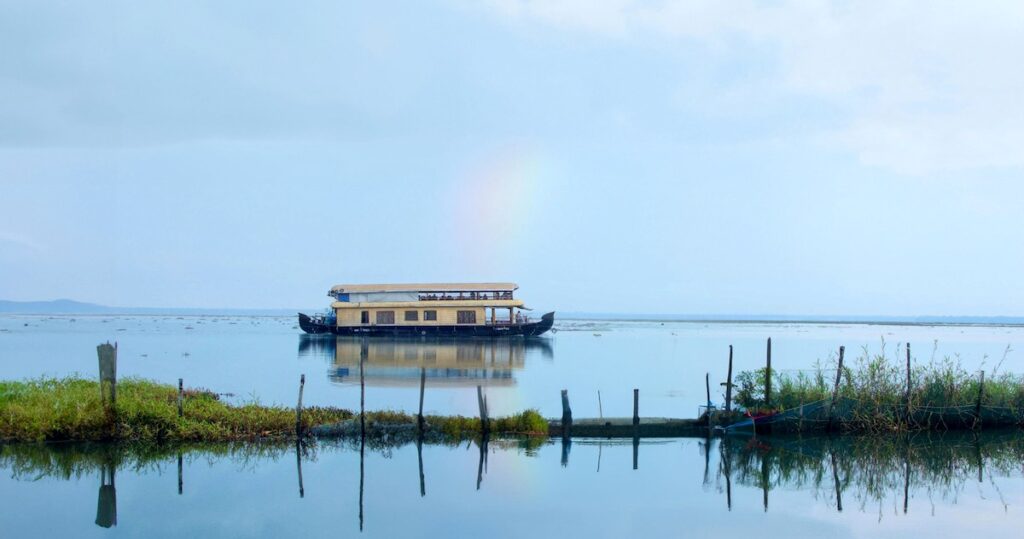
x,y
461,309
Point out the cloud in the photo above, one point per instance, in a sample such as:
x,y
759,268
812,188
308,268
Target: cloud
x,y
920,86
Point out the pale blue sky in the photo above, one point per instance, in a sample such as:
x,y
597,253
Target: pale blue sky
x,y
647,157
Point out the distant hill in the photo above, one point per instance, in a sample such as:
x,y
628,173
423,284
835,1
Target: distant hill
x,y
68,306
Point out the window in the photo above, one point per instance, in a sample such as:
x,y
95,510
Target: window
x,y
467,317
412,316
385,317
430,315
364,317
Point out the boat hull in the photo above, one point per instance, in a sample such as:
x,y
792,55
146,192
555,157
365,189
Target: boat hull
x,y
532,329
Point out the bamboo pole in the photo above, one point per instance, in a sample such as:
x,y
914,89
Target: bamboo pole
x,y
908,412
566,415
636,409
298,407
977,406
835,389
768,377
728,385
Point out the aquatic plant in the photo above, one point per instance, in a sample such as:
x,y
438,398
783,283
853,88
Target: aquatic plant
x,y
873,393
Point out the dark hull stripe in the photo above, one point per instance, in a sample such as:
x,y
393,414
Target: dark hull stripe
x,y
526,330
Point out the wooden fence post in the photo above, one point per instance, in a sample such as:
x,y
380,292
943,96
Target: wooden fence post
x,y
835,389
298,407
181,397
108,371
707,390
907,412
636,410
977,406
768,377
728,385
566,415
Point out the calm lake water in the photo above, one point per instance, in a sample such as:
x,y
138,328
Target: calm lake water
x,y
937,486
262,358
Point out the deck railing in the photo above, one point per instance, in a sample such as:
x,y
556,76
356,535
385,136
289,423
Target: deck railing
x,y
463,296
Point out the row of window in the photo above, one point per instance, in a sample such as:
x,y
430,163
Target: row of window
x,y
388,317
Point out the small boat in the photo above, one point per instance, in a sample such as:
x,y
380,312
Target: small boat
x,y
435,309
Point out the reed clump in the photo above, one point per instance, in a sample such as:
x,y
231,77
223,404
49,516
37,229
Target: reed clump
x,y
873,393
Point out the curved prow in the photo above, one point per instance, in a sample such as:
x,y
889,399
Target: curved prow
x,y
546,321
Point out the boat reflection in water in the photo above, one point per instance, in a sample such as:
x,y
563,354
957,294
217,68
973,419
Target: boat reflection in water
x,y
397,362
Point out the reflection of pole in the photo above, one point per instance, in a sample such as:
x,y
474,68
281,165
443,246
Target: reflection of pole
x,y
362,472
707,459
419,454
636,451
566,446
906,479
485,424
106,503
764,478
835,479
423,386
480,466
599,447
363,352
362,427
181,483
723,447
298,466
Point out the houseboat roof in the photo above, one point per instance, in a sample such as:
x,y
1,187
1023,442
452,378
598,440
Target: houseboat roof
x,y
424,287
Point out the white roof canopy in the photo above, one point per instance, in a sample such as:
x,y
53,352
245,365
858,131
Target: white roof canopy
x,y
424,287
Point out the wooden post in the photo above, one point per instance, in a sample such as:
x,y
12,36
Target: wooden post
x,y
707,389
566,415
485,426
728,385
423,386
835,389
108,371
636,409
907,412
298,407
768,377
181,396
977,406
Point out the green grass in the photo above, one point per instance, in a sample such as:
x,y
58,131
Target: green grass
x,y
71,409
61,409
877,384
